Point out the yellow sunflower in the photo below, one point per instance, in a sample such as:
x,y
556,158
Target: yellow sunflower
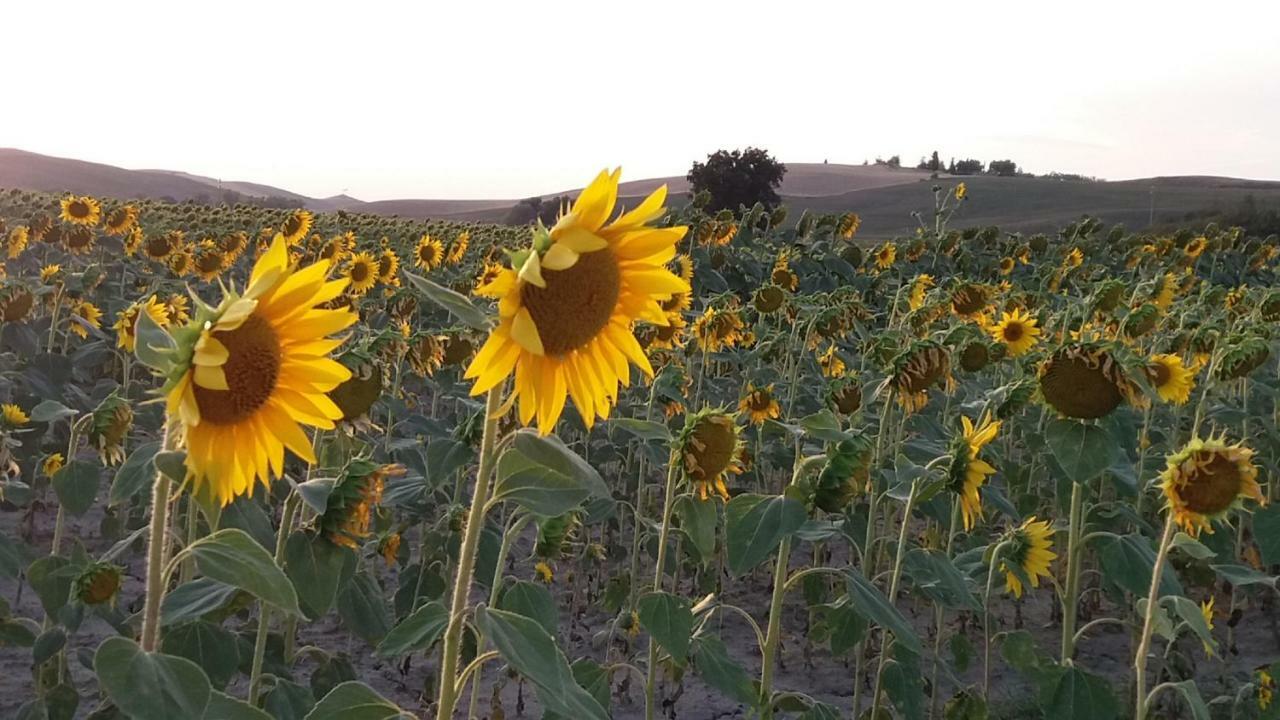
x,y
17,242
208,262
1018,331
50,274
389,267
121,220
710,450
78,239
176,307
233,246
848,225
1029,553
458,248
886,256
362,271
127,321
1172,380
488,274
1074,259
566,314
259,367
718,329
921,285
296,227
133,241
1007,264
1194,248
160,247
781,274
962,191
82,210
13,416
831,363
968,472
429,253
759,404
84,313
684,264
1206,479
52,464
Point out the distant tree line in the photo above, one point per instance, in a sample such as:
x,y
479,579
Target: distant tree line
x,y
532,209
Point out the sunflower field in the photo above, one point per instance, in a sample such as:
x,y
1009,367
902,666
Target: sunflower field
x,y
646,462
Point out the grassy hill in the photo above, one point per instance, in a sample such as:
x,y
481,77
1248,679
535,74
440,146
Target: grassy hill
x,y
884,197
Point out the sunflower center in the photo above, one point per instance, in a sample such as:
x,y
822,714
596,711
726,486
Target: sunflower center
x,y
384,265
760,401
78,209
1160,374
292,226
1213,485
712,446
1080,387
252,368
359,273
577,302
1013,332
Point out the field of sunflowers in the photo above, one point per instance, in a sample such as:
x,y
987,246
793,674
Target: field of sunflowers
x,y
646,462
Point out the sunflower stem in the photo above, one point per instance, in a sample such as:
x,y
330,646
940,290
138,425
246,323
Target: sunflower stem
x,y
651,677
1148,624
939,613
1071,595
986,620
509,536
893,591
264,611
156,542
448,676
773,635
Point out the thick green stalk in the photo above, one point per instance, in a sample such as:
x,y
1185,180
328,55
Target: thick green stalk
x,y
264,611
651,676
986,621
773,636
1148,624
156,545
893,592
1072,593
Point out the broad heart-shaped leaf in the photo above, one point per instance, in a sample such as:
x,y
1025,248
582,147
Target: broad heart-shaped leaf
x,y
416,632
1082,451
669,620
1242,575
903,683
1128,561
150,685
867,600
1266,531
76,485
211,647
50,411
933,574
194,599
698,522
153,345
712,662
593,679
1193,617
821,711
1079,695
537,488
643,429
527,648
363,608
824,425
315,566
234,558
456,303
224,707
846,625
135,475
1190,693
51,577
755,525
354,700
551,452
532,600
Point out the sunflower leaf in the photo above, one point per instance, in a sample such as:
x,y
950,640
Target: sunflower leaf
x,y
456,303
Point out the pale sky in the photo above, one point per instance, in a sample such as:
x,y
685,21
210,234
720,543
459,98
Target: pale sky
x,y
476,99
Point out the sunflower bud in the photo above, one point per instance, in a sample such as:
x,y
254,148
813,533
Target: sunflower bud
x,y
98,583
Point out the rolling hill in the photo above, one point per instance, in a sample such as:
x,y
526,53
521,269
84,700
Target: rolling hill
x,y
884,197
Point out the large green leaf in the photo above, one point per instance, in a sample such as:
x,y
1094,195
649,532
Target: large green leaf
x,y
135,475
1191,693
314,565
669,619
532,600
871,603
51,577
1193,617
903,683
355,701
550,452
934,575
50,411
755,525
712,662
698,519
1266,531
234,558
1080,695
643,429
210,646
76,485
1128,561
224,707
1082,451
194,599
1242,575
148,686
416,632
527,648
537,488
456,303
363,608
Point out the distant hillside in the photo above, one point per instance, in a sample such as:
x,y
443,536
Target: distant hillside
x,y
884,197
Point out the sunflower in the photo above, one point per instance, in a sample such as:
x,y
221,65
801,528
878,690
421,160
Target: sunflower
x,y
1164,291
768,299
176,308
566,313
1194,248
781,274
296,227
50,274
718,329
684,264
112,420
1007,264
488,274
13,416
17,241
362,272
969,300
458,248
1172,380
724,233
426,355
78,239
1206,479
121,220
1028,556
349,507
886,255
209,262
52,464
84,315
15,304
663,337
917,369
962,191
848,225
968,472
1074,259
831,363
127,321
389,267
255,368
389,548
1018,331
759,404
920,286
1206,612
134,241
429,253
710,447
336,250
233,246
1266,689
1084,381
845,394
160,247
82,210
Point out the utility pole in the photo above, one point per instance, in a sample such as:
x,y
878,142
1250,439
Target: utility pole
x,y
1151,217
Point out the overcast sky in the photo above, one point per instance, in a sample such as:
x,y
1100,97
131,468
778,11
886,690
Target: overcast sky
x,y
475,99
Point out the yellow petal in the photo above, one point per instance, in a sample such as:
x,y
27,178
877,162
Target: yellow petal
x,y
531,271
211,377
559,257
525,332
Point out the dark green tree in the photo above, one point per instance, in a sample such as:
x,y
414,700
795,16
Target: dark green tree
x,y
738,178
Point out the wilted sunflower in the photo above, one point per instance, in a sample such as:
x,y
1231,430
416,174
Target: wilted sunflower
x,y
127,321
968,472
1084,381
663,337
920,286
1171,380
848,225
78,239
1242,356
724,233
15,303
82,210
1028,555
253,369
831,363
13,416
389,267
845,394
429,253
112,420
781,274
759,404
121,220
296,227
17,241
426,355
209,262
458,248
710,449
566,314
1018,331
768,299
350,505
969,300
921,366
362,272
1206,479
84,313
718,329
886,255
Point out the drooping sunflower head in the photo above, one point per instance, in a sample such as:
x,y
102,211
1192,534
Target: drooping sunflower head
x,y
78,239
133,241
924,364
848,225
127,321
1206,479
233,246
1084,381
356,395
1171,379
84,316
17,241
844,394
112,420
717,329
1269,308
177,308
98,583
568,304
846,472
244,375
51,274
362,272
13,416
1165,289
768,299
121,220
353,500
82,210
781,275
208,261
710,447
1195,247
969,299
759,404
1017,331
1028,555
974,356
968,472
160,247
919,288
1107,296
1242,356
426,355
429,253
1007,264
886,255
1074,258
830,362
15,303
458,248
389,267
296,226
